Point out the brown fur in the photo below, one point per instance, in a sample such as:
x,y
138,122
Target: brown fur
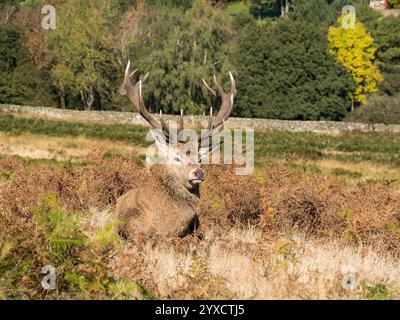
x,y
161,206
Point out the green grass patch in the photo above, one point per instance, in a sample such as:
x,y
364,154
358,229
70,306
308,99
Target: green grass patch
x,y
5,175
267,9
345,172
378,291
379,148
114,132
237,7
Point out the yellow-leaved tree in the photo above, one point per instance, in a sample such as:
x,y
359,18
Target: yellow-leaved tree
x,y
354,49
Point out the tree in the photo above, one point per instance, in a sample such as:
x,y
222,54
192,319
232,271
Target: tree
x,y
20,81
80,51
316,12
354,49
285,72
394,3
387,36
179,48
183,4
29,19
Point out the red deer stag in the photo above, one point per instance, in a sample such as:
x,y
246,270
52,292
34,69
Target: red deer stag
x,y
166,203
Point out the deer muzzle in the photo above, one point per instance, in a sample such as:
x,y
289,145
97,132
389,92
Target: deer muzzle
x,y
196,176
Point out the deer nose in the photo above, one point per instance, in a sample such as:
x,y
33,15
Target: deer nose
x,y
199,174
196,176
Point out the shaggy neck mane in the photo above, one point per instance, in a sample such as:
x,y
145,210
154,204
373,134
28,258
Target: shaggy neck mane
x,y
175,190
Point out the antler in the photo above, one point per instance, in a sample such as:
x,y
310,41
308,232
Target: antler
x,y
134,94
216,124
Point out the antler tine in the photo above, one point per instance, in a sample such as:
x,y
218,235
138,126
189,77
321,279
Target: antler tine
x,y
127,67
128,75
134,94
227,100
145,76
209,126
233,83
219,87
210,119
164,125
181,127
215,124
209,88
132,73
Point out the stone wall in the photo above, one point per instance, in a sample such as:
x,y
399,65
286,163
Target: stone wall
x,y
328,127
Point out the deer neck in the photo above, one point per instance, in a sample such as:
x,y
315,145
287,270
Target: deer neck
x,y
178,192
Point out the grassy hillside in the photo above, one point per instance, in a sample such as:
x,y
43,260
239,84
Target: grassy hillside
x,y
349,148
314,205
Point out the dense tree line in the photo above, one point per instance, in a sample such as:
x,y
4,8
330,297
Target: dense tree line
x,y
292,59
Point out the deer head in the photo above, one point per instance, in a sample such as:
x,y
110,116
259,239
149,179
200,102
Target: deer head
x,y
180,160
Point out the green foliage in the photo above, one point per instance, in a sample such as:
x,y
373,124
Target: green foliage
x,y
378,109
276,61
80,51
16,126
121,289
238,7
387,37
61,229
372,147
381,148
179,49
76,280
367,16
394,3
345,172
316,12
286,73
259,9
108,235
56,236
183,4
348,214
20,80
5,175
378,291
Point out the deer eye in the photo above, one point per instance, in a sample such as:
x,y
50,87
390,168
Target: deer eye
x,y
177,159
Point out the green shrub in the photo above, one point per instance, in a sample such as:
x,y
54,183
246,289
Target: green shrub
x,y
61,229
286,73
378,291
378,109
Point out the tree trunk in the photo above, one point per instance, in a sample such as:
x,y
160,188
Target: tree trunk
x,y
83,99
287,8
62,100
352,104
87,100
90,99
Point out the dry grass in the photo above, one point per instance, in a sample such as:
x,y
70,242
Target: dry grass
x,y
278,234
73,149
290,268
